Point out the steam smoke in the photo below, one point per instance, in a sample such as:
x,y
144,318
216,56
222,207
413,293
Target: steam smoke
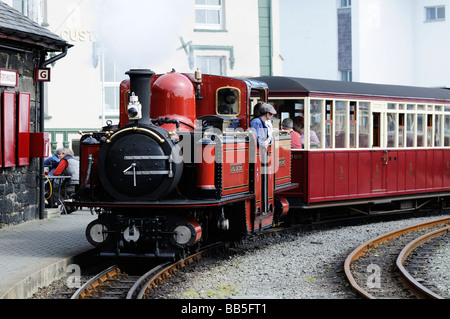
x,y
140,33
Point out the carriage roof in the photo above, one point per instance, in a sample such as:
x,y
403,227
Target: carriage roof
x,y
292,85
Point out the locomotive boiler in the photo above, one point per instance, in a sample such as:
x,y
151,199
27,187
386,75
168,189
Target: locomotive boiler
x,y
182,168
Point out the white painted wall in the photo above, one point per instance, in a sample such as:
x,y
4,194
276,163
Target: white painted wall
x,y
144,34
432,46
383,41
309,38
392,43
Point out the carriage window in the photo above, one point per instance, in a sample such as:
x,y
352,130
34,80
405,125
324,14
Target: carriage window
x,y
257,96
364,124
228,101
430,130
315,132
437,130
299,106
329,124
353,113
295,108
391,106
420,130
376,130
447,131
401,130
340,124
392,129
410,130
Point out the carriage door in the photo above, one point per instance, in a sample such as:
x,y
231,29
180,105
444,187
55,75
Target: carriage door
x,y
379,156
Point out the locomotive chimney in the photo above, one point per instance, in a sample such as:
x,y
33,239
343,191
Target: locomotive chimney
x,y
139,107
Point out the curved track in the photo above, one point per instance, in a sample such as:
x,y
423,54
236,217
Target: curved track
x,y
408,250
379,257
113,284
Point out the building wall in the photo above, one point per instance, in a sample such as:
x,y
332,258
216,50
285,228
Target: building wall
x,y
149,35
383,39
309,39
432,46
391,41
19,184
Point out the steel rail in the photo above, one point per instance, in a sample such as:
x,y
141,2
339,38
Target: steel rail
x,y
361,250
91,285
408,250
154,277
142,282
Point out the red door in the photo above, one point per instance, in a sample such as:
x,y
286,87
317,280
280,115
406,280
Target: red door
x,y
9,129
379,170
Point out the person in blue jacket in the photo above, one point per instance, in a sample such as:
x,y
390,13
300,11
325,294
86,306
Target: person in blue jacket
x,y
262,125
53,161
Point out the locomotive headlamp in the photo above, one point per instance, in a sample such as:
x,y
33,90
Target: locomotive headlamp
x,y
198,75
134,108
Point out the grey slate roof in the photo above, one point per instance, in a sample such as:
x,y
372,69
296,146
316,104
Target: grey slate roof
x,y
292,85
15,26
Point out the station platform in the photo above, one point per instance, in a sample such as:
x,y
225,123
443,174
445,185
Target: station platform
x,y
35,253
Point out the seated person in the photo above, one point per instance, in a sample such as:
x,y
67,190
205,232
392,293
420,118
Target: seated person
x,y
296,138
299,127
68,166
53,161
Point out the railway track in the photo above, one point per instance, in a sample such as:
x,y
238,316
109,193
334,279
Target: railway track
x,y
412,261
376,268
112,283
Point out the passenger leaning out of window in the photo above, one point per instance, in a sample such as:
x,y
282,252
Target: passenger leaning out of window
x,y
262,125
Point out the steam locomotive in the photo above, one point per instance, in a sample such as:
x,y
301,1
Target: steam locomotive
x,y
182,168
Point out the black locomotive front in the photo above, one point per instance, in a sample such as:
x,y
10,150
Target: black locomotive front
x,y
138,167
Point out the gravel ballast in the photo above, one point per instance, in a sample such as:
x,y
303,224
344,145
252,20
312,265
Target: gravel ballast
x,y
305,265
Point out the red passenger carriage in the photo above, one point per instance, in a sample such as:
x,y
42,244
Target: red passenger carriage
x,y
381,147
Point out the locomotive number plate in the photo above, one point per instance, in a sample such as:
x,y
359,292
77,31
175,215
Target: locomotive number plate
x,y
143,173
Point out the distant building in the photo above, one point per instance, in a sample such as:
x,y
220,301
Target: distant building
x,y
24,45
225,37
382,41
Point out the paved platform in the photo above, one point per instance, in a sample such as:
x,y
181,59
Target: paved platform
x,y
35,253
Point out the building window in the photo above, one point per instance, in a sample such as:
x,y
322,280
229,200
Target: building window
x,y
111,78
209,14
346,3
215,65
347,76
435,13
21,6
35,10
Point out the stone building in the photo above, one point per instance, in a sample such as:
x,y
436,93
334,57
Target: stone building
x,y
24,46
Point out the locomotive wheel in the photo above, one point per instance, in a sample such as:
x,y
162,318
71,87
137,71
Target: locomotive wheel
x,y
97,234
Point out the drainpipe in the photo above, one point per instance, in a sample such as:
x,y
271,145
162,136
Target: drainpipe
x,y
42,130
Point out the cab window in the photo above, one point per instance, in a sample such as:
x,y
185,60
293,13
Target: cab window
x,y
227,102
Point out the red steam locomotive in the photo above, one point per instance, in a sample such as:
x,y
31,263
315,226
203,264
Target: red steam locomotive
x,y
182,167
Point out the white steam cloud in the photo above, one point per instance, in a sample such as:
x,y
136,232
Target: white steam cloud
x,y
140,33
